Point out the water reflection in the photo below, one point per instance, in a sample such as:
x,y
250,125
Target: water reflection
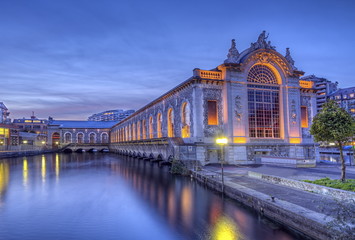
x,y
187,206
103,196
4,180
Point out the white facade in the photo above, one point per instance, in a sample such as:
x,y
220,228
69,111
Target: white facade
x,y
255,98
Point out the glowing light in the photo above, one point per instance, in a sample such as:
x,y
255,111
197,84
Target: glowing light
x,y
225,229
43,169
24,141
57,165
295,140
222,141
4,177
306,84
25,172
240,140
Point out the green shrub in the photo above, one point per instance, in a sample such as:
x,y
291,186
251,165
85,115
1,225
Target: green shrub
x,y
348,185
177,167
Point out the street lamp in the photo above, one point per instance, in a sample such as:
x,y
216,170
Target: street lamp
x,y
221,141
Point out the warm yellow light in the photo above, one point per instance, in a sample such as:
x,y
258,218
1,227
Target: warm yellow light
x,y
24,141
43,142
295,140
222,141
225,229
240,140
57,143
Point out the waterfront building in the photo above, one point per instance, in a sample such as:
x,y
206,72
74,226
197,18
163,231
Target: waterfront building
x,y
255,98
346,99
111,115
324,88
32,129
63,132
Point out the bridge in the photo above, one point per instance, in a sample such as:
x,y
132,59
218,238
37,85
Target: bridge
x,y
85,147
159,149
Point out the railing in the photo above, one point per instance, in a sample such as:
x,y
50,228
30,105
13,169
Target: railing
x,y
207,74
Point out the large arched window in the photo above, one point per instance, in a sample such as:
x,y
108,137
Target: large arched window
x,y
92,137
159,125
151,133
80,138
67,137
144,129
170,123
263,103
139,130
185,120
104,137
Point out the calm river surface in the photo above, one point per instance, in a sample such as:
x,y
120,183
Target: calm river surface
x,y
106,196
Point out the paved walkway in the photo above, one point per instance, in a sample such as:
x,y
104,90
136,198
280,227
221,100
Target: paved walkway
x,y
312,201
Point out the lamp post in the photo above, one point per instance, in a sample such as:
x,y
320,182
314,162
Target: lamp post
x,y
221,141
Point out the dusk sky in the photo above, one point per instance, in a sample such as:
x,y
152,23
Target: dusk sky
x,y
70,59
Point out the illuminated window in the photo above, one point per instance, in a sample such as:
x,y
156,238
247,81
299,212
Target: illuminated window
x,y
352,110
263,103
185,120
352,95
134,131
138,130
304,117
212,112
170,123
144,129
261,74
159,125
151,133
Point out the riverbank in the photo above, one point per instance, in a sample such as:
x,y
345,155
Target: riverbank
x,y
11,154
300,210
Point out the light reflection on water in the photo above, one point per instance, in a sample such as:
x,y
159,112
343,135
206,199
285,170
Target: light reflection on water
x,y
105,196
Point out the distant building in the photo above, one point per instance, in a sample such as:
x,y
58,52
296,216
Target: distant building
x,y
346,99
111,115
34,126
62,132
323,88
3,113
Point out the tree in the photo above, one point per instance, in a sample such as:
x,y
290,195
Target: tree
x,y
333,124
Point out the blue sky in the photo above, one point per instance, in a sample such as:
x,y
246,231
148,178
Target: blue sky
x,y
72,58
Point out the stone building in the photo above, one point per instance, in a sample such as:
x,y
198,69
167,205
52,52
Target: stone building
x,y
63,132
346,99
37,128
255,98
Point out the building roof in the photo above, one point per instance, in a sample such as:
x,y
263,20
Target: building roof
x,y
81,124
343,91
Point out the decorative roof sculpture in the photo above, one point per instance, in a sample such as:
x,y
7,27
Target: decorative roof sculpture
x,y
290,59
262,43
233,54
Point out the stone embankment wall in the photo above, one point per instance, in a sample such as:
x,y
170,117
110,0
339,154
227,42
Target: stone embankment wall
x,y
303,220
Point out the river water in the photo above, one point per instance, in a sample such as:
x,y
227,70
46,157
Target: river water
x,y
106,196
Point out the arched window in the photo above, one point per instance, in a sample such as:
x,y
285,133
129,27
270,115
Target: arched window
x,y
67,137
144,129
134,131
263,103
92,137
139,130
104,138
159,125
170,123
185,120
151,132
80,138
